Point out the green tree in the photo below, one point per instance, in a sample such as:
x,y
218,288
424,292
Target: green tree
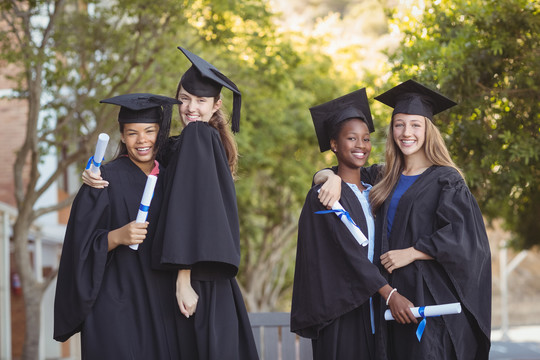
x,y
486,56
279,153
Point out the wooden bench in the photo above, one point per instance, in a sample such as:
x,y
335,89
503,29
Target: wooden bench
x,y
274,339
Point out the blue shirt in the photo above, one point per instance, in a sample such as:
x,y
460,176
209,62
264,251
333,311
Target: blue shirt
x,y
405,182
363,198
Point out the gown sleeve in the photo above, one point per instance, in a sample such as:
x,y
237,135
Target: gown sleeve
x,y
198,226
460,244
83,261
333,274
372,174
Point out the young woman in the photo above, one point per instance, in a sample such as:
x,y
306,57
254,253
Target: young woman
x,y
123,308
430,233
198,230
334,276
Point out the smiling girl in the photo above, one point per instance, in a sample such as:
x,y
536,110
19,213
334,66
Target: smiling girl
x,y
198,232
432,236
109,293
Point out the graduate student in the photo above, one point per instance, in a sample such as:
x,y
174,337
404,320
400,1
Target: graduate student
x,y
335,279
198,230
106,291
430,233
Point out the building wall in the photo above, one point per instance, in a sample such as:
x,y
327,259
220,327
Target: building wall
x,y
13,123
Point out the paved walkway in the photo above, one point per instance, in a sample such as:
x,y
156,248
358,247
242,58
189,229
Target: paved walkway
x,y
523,343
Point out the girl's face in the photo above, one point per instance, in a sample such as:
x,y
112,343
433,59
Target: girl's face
x,y
353,144
196,108
140,140
409,132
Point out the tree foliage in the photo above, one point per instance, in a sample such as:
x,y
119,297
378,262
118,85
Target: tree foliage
x,y
486,56
278,156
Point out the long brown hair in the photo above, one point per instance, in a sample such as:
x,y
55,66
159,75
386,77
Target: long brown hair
x,y
122,148
436,153
220,123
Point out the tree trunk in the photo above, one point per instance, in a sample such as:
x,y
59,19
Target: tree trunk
x,y
32,290
263,280
32,306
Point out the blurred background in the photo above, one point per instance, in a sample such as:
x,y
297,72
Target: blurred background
x,y
58,58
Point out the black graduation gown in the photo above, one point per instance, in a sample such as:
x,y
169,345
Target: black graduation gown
x,y
439,216
199,229
123,308
333,282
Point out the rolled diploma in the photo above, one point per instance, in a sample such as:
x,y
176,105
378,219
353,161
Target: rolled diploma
x,y
145,202
354,229
432,310
103,140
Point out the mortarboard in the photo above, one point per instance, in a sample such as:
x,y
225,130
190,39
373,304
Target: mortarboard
x,y
414,98
141,107
146,108
329,114
203,79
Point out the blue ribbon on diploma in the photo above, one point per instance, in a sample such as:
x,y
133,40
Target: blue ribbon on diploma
x,y
348,221
144,208
422,325
91,161
339,213
428,311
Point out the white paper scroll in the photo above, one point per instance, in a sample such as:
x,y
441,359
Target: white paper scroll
x,y
353,228
432,310
103,140
145,202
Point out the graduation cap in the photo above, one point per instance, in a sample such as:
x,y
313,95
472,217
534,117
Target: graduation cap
x,y
141,107
414,98
203,79
146,108
326,116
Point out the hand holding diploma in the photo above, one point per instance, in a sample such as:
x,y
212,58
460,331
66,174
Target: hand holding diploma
x,y
145,202
94,179
95,161
129,234
428,311
433,310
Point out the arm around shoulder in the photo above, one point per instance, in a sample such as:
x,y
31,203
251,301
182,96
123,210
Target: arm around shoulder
x,y
330,191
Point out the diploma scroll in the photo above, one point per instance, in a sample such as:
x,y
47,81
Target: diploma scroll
x,y
145,202
427,311
348,221
95,161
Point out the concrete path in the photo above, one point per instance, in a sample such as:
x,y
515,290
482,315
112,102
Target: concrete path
x,y
523,343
